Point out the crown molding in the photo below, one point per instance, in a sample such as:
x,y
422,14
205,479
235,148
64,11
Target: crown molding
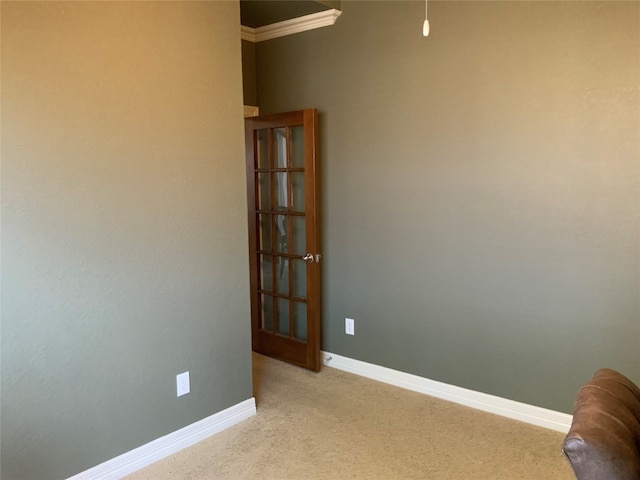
x,y
325,18
248,34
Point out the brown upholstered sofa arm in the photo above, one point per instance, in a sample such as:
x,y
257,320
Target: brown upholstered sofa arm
x,y
604,440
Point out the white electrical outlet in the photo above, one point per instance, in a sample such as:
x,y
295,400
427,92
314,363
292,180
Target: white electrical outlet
x,y
183,384
349,326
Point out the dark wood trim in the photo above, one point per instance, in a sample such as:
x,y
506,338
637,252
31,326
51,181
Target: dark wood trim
x,y
314,329
285,347
252,220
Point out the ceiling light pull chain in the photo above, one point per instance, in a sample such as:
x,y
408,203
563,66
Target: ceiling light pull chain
x,y
425,26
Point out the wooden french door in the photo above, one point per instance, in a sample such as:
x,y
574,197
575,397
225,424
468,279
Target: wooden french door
x,y
284,247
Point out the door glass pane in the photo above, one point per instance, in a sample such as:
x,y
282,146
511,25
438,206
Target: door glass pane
x,y
282,228
280,139
284,287
264,232
297,146
283,316
283,275
299,235
264,191
297,190
282,191
300,320
266,312
266,273
299,278
262,149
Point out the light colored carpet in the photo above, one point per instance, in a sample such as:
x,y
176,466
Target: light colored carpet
x,y
336,425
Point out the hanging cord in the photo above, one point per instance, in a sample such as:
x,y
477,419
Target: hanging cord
x,y
425,26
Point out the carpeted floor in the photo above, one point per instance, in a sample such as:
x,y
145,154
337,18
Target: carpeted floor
x,y
335,425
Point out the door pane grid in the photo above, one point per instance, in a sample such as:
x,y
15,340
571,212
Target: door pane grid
x,y
283,317
271,149
285,286
288,134
281,295
276,196
266,273
266,312
297,146
283,169
300,321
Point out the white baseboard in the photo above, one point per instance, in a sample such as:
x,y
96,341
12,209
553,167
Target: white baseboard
x,y
523,412
143,456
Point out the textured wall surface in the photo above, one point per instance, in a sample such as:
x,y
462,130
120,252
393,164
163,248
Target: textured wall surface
x,y
123,227
249,91
481,187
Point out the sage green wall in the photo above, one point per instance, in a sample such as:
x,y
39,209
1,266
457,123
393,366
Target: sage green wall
x,y
481,187
124,227
249,92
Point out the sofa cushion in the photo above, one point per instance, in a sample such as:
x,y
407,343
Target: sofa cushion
x,y
604,440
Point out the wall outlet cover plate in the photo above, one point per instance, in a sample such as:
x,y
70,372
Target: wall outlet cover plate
x,y
349,326
183,384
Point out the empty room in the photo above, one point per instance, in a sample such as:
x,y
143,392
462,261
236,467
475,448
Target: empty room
x,y
313,239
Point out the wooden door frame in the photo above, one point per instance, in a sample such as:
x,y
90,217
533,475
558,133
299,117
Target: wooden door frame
x,y
312,354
